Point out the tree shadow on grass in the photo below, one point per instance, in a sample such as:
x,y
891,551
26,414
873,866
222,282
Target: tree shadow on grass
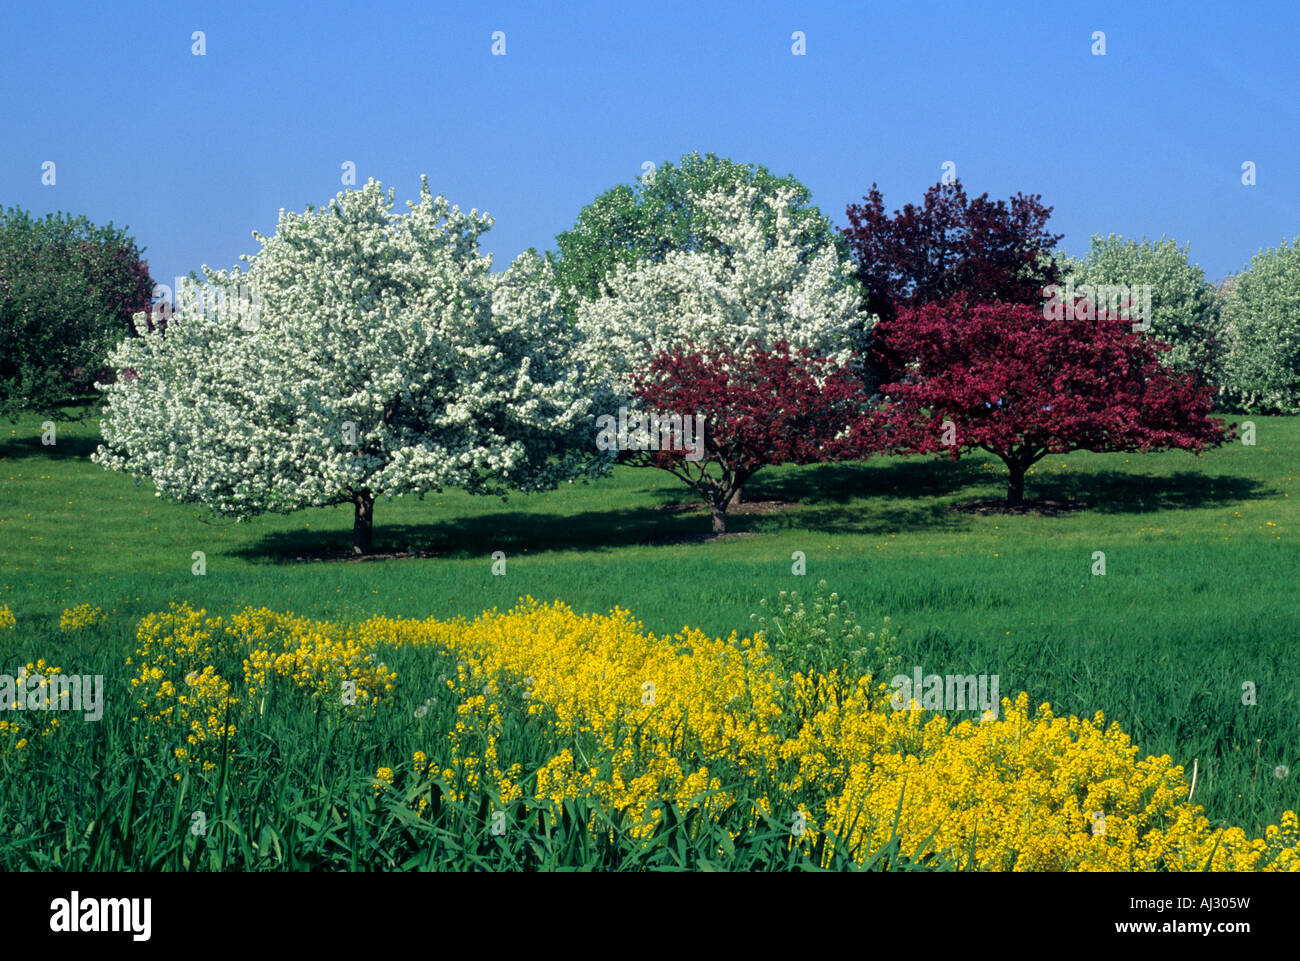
x,y
1121,492
517,531
1102,491
846,481
478,536
897,516
911,496
65,446
843,482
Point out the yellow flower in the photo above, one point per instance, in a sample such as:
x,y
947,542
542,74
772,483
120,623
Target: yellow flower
x,y
80,617
1016,788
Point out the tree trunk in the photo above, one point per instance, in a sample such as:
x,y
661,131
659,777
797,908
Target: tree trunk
x,y
719,520
1016,485
735,498
363,522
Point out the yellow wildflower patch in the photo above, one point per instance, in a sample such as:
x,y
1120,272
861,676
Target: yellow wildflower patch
x,y
21,730
188,665
553,706
634,719
80,617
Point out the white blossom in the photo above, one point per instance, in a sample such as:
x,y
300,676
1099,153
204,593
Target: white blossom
x,y
762,286
1261,333
387,326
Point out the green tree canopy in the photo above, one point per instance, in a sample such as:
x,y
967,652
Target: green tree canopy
x,y
68,290
648,219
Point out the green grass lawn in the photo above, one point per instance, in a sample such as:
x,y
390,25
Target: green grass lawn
x,y
1198,596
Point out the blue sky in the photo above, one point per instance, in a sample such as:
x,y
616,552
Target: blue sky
x,y
195,152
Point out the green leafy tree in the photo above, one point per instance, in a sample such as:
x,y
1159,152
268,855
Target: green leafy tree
x,y
1261,332
68,290
659,214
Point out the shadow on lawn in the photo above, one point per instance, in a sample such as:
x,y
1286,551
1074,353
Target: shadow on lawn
x,y
914,496
1103,491
1121,492
65,446
513,531
506,530
78,414
844,482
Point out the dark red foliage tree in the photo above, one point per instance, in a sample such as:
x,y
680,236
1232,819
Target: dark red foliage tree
x,y
992,251
1001,377
119,277
758,408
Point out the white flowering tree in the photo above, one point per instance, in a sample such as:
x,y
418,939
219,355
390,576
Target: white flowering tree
x,y
363,353
1261,331
753,281
1182,301
758,283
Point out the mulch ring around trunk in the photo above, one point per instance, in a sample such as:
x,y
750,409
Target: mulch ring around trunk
x,y
998,505
660,540
697,507
745,507
347,555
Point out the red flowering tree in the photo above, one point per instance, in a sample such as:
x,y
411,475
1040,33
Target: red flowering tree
x,y
1001,377
990,250
742,411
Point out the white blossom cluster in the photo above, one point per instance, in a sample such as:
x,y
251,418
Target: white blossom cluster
x,y
760,286
385,358
1261,332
